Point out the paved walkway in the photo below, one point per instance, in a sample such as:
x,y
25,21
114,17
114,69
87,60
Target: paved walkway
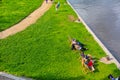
x,y
32,18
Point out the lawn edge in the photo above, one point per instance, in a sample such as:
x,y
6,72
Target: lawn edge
x,y
96,38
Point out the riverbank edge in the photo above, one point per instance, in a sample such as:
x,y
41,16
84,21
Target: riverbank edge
x,y
96,38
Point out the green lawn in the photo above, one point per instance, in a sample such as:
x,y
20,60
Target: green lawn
x,y
43,52
13,11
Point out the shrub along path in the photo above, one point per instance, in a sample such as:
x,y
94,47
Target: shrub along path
x,y
32,18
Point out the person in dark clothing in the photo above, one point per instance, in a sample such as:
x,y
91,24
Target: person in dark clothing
x,y
77,45
57,6
111,77
46,1
82,48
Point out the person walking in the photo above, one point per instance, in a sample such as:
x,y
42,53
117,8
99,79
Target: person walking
x,y
57,5
46,1
51,1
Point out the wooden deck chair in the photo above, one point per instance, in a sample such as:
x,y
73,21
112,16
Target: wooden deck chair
x,y
86,69
93,69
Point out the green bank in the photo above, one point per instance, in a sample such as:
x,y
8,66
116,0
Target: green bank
x,y
43,51
12,12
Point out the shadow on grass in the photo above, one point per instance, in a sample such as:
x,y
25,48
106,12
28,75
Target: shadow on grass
x,y
96,65
115,74
106,78
49,77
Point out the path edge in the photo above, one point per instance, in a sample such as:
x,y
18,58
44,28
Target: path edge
x,y
15,28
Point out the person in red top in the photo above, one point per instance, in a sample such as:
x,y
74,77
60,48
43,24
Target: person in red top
x,y
90,65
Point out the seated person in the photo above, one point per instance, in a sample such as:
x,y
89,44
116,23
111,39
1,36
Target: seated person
x,y
87,64
87,56
90,64
87,61
77,45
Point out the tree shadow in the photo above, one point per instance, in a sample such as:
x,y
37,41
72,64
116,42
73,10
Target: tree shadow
x,y
0,3
106,78
51,77
73,78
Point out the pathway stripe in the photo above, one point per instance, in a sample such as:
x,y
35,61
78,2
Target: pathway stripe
x,y
31,19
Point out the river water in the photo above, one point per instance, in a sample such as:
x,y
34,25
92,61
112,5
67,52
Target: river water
x,y
103,18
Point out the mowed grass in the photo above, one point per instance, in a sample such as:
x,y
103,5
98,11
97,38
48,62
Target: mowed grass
x,y
43,52
13,11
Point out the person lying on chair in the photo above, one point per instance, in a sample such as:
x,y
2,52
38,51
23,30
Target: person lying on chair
x,y
77,45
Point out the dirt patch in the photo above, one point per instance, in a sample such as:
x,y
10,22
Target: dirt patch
x,y
106,61
71,18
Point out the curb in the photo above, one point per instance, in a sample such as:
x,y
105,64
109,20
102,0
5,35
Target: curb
x,y
96,38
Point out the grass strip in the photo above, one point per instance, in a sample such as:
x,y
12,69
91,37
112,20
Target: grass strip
x,y
42,51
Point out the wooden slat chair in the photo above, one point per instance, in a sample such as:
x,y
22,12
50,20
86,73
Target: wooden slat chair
x,y
86,69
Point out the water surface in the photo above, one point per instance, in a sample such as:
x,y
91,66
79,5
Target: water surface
x,y
103,18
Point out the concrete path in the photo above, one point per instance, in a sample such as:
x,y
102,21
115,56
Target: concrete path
x,y
31,19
